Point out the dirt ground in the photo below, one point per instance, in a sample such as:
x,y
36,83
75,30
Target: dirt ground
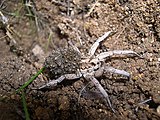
x,y
136,24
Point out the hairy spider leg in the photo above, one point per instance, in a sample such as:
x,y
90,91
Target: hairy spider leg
x,y
53,83
101,89
96,44
103,55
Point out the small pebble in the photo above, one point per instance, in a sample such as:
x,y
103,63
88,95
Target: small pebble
x,y
131,101
38,52
150,59
158,109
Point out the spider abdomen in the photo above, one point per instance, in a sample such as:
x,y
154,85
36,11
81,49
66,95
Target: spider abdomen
x,y
60,62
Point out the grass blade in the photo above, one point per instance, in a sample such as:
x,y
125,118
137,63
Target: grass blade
x,y
25,105
30,80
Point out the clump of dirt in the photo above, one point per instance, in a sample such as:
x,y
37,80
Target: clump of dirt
x,y
50,25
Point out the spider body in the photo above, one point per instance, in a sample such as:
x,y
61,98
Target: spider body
x,y
69,64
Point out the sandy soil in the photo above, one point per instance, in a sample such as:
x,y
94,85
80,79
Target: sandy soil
x,y
136,24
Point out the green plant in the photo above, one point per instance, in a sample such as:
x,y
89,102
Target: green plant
x,y
25,105
21,92
30,80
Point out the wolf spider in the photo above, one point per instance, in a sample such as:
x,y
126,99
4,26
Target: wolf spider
x,y
67,64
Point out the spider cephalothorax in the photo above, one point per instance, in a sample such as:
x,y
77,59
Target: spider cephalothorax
x,y
69,64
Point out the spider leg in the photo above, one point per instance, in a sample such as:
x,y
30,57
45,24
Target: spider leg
x,y
83,89
96,44
104,55
74,47
105,69
54,83
117,71
101,89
